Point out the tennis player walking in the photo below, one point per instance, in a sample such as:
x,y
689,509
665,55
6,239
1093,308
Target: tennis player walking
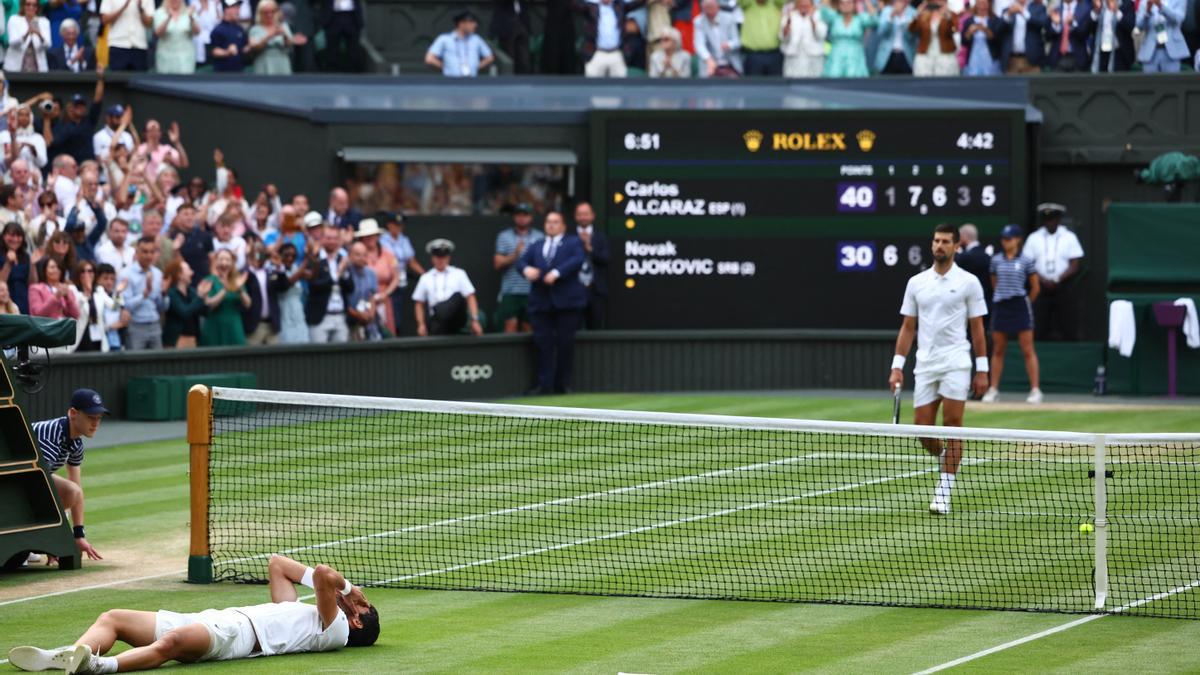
x,y
938,304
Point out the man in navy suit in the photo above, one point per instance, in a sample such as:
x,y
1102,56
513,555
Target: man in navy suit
x,y
1112,45
594,274
1022,46
1070,28
70,54
556,302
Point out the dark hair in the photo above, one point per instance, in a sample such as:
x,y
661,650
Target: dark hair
x,y
6,193
369,633
22,250
147,239
288,245
105,268
947,228
77,276
67,261
44,263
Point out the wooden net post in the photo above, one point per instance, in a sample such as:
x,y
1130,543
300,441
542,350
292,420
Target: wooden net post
x,y
199,436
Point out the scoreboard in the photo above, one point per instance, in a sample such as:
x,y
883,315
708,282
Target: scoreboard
x,y
792,219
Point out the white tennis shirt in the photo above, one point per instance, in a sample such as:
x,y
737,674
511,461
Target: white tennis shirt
x,y
942,303
290,627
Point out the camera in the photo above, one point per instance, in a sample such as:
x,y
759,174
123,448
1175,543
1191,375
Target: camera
x,y
47,106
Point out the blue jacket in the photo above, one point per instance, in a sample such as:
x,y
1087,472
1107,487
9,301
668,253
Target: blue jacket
x,y
567,292
1170,16
1079,34
885,32
1037,22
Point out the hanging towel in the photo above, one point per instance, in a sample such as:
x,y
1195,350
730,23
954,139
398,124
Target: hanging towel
x,y
1191,326
1122,331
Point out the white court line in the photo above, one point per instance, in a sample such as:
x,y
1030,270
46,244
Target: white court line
x,y
93,587
1058,629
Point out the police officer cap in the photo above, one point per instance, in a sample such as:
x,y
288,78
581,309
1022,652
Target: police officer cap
x,y
440,247
1051,210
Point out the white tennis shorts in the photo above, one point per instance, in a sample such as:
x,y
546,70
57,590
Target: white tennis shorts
x,y
950,384
231,632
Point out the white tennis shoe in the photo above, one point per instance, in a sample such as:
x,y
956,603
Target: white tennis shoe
x,y
939,507
991,395
32,659
1035,396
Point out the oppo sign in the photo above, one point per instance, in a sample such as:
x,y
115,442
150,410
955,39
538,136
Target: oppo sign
x,y
471,373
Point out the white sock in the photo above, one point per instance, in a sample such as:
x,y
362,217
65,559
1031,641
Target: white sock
x,y
944,486
103,664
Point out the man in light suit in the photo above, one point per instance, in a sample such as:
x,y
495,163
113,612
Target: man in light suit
x,y
896,45
1070,28
717,43
1023,44
1164,46
556,302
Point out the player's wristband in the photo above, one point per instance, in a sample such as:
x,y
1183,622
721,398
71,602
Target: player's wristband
x,y
981,364
347,588
898,362
307,579
79,532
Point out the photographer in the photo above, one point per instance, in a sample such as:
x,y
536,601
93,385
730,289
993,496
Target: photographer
x,y
71,132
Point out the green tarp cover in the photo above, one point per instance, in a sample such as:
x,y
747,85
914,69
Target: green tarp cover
x,y
35,331
1153,244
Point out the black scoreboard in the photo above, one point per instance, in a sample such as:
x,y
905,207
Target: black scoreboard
x,y
792,219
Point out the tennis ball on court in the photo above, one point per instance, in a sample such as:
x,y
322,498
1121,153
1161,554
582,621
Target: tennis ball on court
x,y
1087,528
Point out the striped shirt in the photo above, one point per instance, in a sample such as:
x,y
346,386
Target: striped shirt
x,y
56,445
1011,275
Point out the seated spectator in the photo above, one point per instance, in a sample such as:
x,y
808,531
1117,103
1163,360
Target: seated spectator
x,y
669,60
116,250
603,35
7,306
229,40
90,334
1023,46
21,142
981,34
175,27
896,47
387,272
847,30
760,37
71,54
286,275
52,296
936,50
271,41
1164,46
1113,48
460,53
16,270
126,22
184,306
28,38
225,296
802,34
445,298
46,223
633,47
362,301
110,301
61,12
260,319
1069,46
717,42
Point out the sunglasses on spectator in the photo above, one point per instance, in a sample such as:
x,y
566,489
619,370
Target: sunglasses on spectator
x,y
87,270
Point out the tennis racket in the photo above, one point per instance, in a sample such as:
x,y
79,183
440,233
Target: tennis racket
x,y
896,405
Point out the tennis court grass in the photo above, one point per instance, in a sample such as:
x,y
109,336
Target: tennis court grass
x,y
456,631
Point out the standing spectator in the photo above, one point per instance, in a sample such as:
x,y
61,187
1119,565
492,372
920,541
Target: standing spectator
x,y
802,34
289,230
633,47
7,306
152,226
444,299
143,297
59,247
191,241
556,302
669,60
62,182
184,307
342,21
72,133
47,222
226,240
88,219
328,283
558,39
974,258
24,145
116,124
1113,48
387,271
90,334
981,36
110,302
224,293
70,53
594,273
716,40
260,319
1010,272
510,26
1056,253
207,14
460,53
289,296
116,250
176,28
602,32
127,21
361,302
847,30
1069,45
52,296
394,240
1023,47
896,47
12,207
28,39
514,287
936,50
760,37
229,40
271,39
158,153
60,12
1164,46
16,270
341,215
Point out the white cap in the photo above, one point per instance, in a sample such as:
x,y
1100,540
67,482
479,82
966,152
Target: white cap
x,y
313,219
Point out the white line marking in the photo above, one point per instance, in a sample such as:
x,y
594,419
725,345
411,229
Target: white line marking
x,y
93,587
1058,629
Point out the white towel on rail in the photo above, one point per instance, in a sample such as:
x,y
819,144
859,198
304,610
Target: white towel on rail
x,y
1191,326
1122,330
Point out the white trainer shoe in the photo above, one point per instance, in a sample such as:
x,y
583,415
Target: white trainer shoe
x,y
1035,396
32,659
939,507
991,395
35,559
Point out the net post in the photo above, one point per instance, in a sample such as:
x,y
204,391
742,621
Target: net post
x,y
1101,508
199,436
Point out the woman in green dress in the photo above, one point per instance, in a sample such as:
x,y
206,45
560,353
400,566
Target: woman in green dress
x,y
271,40
174,26
225,295
847,27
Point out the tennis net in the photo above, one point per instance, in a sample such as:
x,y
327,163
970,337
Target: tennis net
x,y
445,495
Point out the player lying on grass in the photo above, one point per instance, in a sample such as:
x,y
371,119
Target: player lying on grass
x,y
342,617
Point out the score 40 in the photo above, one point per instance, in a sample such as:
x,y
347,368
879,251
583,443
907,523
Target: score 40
x,y
861,197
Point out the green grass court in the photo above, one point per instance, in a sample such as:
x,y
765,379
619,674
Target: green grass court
x,y
137,514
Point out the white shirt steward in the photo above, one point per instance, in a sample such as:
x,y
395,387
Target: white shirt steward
x,y
56,445
278,628
942,304
1052,253
436,286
